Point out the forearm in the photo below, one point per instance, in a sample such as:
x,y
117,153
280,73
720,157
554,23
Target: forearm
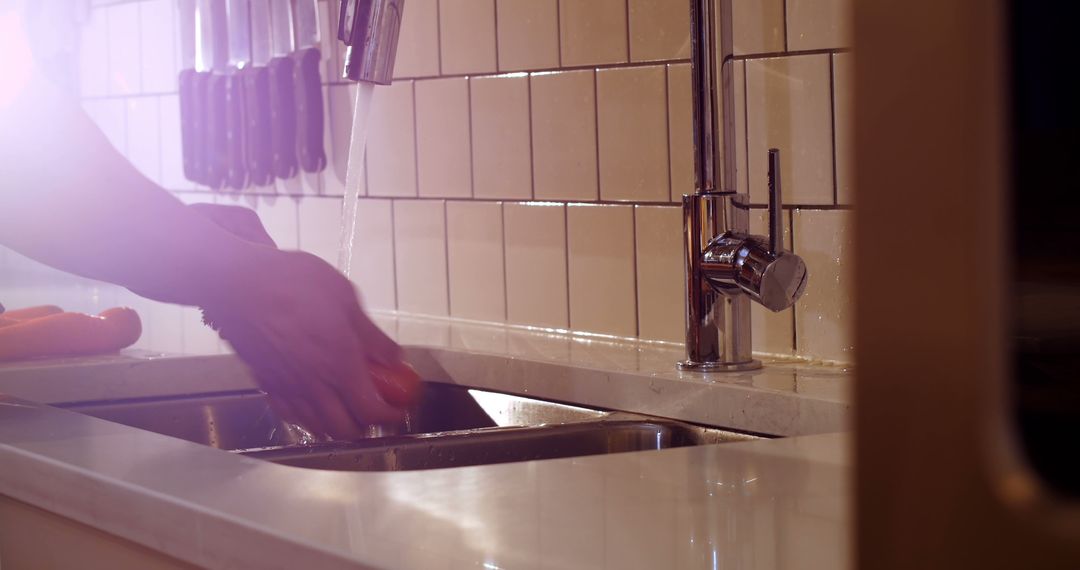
x,y
70,200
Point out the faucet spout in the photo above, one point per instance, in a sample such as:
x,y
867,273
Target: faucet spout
x,y
370,30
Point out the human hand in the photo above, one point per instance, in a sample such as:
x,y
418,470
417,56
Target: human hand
x,y
325,386
297,323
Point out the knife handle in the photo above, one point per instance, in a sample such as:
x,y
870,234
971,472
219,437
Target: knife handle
x,y
216,137
258,150
282,117
307,83
192,119
236,176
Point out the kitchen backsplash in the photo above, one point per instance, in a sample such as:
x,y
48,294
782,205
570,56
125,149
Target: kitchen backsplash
x,y
525,167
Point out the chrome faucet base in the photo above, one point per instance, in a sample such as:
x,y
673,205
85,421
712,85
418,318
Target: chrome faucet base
x,y
691,366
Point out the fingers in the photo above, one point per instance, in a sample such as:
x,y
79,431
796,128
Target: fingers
x,y
362,398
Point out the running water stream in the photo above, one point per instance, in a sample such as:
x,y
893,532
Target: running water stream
x,y
354,170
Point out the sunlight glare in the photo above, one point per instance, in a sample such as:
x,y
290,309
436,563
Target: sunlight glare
x,y
19,60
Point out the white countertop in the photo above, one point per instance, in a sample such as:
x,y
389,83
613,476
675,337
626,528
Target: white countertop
x,y
766,504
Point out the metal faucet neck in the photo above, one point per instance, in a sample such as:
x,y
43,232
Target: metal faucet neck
x,y
726,266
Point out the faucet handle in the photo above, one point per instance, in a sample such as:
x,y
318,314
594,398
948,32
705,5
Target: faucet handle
x,y
759,265
776,204
775,279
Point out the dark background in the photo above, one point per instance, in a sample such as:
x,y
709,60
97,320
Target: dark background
x,y
1046,241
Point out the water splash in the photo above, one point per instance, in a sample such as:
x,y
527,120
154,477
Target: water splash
x,y
354,170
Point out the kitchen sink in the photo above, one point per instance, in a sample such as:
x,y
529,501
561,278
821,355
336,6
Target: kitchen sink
x,y
453,426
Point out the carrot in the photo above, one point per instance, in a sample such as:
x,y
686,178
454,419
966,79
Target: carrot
x,y
5,322
70,334
31,312
398,384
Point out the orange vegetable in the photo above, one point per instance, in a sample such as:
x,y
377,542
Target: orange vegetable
x,y
31,313
70,334
5,322
398,384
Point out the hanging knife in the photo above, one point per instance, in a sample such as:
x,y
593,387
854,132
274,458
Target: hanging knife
x,y
215,45
259,147
192,83
239,58
282,100
307,83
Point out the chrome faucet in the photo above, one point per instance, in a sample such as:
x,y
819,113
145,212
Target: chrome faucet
x,y
370,30
726,266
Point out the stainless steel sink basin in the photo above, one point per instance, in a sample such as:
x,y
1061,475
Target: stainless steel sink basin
x,y
454,426
501,445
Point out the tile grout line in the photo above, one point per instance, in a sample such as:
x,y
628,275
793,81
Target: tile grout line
x,y
787,207
796,53
667,116
596,129
743,57
558,30
581,67
634,263
832,118
438,33
495,11
746,130
794,318
446,254
532,149
566,260
393,252
472,141
506,287
139,33
416,143
785,8
160,150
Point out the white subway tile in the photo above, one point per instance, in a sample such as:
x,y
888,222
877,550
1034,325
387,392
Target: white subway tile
x,y
536,282
661,286
632,117
159,46
502,151
681,130
823,317
172,152
843,121
144,136
819,24
475,250
373,254
418,47
601,252
443,138
94,55
789,106
320,227
420,257
564,135
125,55
391,149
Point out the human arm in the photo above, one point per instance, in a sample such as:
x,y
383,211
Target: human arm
x,y
70,200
